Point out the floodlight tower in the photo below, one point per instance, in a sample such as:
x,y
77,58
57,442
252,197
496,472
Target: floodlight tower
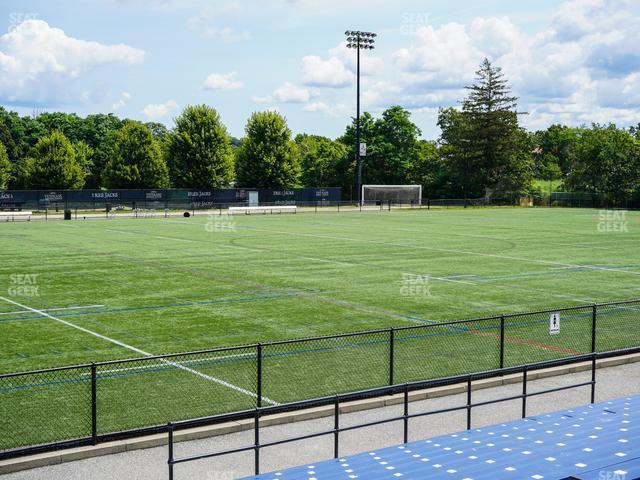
x,y
359,40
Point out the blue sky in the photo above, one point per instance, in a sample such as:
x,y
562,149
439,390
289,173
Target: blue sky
x,y
573,61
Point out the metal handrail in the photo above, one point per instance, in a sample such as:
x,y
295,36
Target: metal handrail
x,y
405,417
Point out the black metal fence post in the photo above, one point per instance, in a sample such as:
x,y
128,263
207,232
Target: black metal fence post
x,y
170,444
593,378
502,341
392,355
259,373
524,392
336,426
594,317
94,405
256,441
469,402
406,413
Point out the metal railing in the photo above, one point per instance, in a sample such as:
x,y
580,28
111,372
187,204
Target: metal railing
x,y
97,402
336,400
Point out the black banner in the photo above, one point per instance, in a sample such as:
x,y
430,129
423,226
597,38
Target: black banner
x,y
161,199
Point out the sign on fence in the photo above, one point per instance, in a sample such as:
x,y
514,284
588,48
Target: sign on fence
x,y
554,324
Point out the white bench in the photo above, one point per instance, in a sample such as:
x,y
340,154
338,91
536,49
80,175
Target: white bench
x,y
12,215
263,210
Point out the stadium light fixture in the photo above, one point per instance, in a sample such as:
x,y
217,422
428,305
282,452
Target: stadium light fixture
x,y
358,40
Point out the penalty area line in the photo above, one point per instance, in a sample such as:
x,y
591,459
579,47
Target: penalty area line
x,y
139,351
54,309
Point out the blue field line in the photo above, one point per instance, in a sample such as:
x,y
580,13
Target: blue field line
x,y
251,357
584,268
155,307
455,330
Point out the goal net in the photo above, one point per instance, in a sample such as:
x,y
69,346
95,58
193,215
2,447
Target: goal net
x,y
394,194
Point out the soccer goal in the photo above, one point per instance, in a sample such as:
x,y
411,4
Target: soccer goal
x,y
393,194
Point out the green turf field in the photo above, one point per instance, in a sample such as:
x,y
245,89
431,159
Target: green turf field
x,y
98,290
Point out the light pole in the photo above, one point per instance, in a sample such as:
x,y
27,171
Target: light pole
x,y
359,40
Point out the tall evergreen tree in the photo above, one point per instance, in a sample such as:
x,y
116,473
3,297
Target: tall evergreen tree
x,y
494,138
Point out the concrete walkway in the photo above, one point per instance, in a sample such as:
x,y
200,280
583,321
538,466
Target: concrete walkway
x,y
150,464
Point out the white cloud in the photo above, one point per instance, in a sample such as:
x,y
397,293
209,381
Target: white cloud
x,y
338,71
155,112
330,73
337,110
36,60
122,101
583,67
222,81
212,23
259,99
289,93
316,107
370,64
442,56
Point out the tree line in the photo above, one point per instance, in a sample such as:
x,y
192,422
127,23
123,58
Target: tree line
x,y
482,151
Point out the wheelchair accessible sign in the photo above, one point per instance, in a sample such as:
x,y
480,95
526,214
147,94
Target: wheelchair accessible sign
x,y
554,324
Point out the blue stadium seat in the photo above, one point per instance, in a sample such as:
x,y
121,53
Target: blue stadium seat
x,y
578,443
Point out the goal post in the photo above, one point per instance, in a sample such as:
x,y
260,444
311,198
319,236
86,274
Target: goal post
x,y
393,194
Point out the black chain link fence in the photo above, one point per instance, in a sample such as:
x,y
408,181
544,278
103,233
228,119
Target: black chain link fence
x,y
87,404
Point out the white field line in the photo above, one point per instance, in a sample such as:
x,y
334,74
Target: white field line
x,y
450,250
119,231
139,351
195,360
54,309
442,279
240,247
174,239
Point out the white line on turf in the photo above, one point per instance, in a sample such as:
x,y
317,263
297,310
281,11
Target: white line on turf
x,y
54,309
442,279
174,239
119,231
450,250
139,351
195,360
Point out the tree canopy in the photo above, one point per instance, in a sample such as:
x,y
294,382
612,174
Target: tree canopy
x,y
5,167
482,151
54,164
485,147
268,157
321,160
199,150
135,160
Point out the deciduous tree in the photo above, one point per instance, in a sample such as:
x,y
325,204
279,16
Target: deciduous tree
x,y
135,160
268,158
